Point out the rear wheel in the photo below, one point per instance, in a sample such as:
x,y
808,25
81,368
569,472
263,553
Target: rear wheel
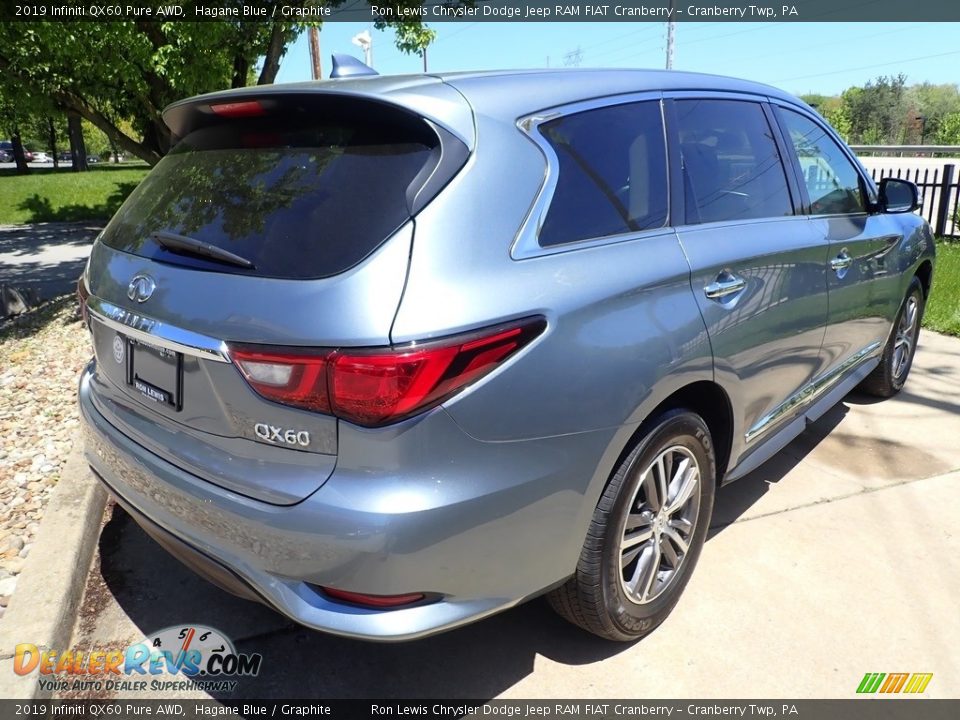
x,y
646,534
888,377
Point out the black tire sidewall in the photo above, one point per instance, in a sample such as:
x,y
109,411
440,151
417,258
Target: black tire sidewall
x,y
676,428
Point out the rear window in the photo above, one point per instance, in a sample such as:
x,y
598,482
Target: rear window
x,y
300,199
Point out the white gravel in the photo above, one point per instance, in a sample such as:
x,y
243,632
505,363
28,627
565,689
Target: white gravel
x,y
41,355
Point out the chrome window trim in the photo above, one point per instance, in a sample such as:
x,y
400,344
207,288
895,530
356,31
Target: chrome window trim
x,y
526,244
154,332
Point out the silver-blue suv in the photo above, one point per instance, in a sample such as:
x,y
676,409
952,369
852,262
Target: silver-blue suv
x,y
391,354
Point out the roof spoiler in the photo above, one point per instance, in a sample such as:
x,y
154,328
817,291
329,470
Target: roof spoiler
x,y
349,66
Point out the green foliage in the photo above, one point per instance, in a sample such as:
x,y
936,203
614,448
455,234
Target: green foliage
x,y
943,309
886,111
120,75
948,132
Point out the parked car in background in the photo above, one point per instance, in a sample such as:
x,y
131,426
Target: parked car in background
x,y
6,156
42,157
6,148
393,354
65,157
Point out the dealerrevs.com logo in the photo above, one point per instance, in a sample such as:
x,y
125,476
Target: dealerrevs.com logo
x,y
176,658
888,683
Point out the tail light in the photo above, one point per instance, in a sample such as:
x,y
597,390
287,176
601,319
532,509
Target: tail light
x,y
375,386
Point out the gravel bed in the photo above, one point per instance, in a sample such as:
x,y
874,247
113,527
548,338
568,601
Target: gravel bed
x,y
41,355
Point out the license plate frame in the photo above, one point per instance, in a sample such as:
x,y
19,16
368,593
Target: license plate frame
x,y
158,377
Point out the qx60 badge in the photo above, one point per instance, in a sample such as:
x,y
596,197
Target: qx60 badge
x,y
274,434
141,287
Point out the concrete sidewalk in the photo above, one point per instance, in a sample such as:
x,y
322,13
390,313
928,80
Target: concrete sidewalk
x,y
839,557
45,258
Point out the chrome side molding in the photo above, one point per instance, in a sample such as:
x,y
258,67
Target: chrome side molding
x,y
810,392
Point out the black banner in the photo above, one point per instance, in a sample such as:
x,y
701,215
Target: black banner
x,y
853,709
433,11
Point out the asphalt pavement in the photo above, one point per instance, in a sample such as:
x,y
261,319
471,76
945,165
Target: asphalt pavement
x,y
45,258
839,557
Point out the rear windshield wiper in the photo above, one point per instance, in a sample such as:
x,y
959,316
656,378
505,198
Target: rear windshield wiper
x,y
192,246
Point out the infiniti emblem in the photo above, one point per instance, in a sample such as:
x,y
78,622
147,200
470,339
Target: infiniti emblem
x,y
141,287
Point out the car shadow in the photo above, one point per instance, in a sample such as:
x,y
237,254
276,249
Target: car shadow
x,y
478,661
735,499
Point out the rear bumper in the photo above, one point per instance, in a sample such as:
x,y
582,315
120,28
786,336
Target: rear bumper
x,y
421,507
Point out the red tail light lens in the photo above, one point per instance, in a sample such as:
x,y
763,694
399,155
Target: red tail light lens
x,y
377,387
375,601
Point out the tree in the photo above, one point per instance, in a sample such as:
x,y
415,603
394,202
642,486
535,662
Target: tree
x,y
949,131
877,111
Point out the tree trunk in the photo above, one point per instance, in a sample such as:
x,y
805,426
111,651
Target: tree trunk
x,y
78,148
18,155
53,142
113,148
275,49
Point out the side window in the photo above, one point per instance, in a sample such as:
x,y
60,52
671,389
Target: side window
x,y
612,175
832,181
732,169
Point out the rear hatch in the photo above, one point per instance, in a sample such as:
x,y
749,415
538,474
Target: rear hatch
x,y
282,221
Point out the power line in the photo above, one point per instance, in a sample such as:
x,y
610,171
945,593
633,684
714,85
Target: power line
x,y
871,67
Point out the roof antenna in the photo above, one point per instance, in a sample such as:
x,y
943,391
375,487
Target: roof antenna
x,y
349,66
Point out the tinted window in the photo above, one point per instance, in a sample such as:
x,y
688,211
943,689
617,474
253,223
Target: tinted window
x,y
612,175
832,181
732,169
303,200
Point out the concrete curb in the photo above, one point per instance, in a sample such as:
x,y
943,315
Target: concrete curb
x,y
44,606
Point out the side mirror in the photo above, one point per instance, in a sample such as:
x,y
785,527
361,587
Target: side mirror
x,y
898,196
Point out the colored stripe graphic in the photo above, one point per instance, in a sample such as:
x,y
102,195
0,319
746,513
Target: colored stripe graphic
x,y
918,683
894,682
870,682
913,683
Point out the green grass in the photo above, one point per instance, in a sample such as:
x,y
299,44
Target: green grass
x,y
48,195
943,311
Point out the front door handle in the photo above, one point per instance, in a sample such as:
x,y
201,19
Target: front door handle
x,y
841,263
725,284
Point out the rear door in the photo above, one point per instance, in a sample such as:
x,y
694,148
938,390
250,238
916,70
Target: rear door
x,y
864,295
758,269
285,223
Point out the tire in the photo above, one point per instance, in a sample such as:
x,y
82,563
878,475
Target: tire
x,y
613,594
888,377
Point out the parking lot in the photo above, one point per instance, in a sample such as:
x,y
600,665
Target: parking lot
x,y
839,557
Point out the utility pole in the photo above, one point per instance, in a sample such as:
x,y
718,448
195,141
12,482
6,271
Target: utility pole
x,y
316,69
424,53
671,32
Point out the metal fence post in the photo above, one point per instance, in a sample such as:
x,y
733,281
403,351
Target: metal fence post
x,y
943,207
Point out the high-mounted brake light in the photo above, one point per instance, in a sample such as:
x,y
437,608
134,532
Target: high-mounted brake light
x,y
242,109
374,387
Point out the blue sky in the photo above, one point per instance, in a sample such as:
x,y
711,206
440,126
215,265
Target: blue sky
x,y
798,57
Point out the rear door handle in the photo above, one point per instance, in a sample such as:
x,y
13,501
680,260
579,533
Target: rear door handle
x,y
725,284
841,262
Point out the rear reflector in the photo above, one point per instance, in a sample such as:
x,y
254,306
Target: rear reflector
x,y
374,387
375,601
246,108
83,295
